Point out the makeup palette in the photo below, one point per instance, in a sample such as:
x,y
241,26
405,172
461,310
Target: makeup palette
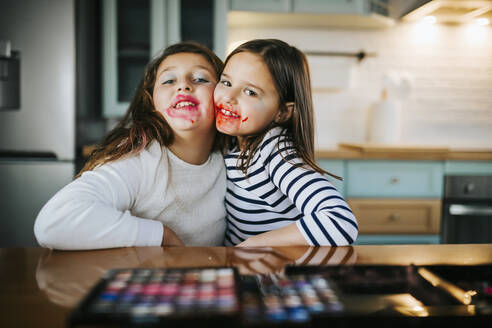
x,y
346,295
273,299
153,297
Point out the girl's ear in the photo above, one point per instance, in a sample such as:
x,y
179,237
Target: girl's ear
x,y
285,112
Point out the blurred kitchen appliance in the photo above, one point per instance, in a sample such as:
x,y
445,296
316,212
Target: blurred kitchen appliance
x,y
9,76
37,140
467,210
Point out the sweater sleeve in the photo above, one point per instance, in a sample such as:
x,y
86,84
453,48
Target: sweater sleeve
x,y
327,218
93,211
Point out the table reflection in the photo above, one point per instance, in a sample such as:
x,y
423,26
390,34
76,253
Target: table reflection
x,y
67,276
275,259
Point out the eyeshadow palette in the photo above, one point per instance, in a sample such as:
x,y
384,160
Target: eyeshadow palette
x,y
152,297
312,296
406,296
273,299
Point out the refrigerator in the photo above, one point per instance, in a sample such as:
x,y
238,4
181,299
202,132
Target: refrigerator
x,y
37,111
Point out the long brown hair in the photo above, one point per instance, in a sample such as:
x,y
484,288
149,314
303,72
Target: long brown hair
x,y
142,123
290,72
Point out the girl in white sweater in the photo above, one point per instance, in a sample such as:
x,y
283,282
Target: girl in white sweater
x,y
158,178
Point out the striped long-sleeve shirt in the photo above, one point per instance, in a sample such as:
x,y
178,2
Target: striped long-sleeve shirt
x,y
276,193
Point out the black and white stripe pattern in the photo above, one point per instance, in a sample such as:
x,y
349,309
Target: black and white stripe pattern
x,y
276,193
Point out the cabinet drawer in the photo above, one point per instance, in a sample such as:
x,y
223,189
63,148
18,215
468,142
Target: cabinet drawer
x,y
405,216
394,179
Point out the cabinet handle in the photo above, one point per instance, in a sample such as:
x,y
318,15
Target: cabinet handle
x,y
394,180
470,210
394,217
469,188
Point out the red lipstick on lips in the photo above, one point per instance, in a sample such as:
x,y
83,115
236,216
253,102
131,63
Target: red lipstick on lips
x,y
185,107
227,112
227,120
185,98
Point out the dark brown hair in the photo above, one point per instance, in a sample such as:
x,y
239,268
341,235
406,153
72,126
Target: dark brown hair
x,y
290,72
142,123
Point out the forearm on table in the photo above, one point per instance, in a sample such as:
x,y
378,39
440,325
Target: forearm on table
x,y
286,236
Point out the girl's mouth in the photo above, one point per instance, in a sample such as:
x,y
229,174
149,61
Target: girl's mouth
x,y
185,107
227,112
185,102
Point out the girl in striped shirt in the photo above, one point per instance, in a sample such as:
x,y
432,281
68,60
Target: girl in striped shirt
x,y
276,193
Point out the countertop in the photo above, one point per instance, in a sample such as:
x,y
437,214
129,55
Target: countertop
x,y
368,151
40,287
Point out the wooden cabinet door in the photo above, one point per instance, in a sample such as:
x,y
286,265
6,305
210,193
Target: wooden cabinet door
x,y
397,216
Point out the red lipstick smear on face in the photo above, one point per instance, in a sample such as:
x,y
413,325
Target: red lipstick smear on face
x,y
189,112
245,119
226,122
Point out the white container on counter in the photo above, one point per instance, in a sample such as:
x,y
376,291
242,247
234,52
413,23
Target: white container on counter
x,y
384,121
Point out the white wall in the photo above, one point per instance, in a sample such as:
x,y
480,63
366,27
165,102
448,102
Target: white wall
x,y
451,68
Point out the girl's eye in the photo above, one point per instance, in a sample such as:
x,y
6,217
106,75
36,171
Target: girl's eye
x,y
201,80
250,92
226,83
167,82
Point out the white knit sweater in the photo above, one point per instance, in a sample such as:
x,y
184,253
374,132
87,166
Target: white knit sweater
x,y
124,203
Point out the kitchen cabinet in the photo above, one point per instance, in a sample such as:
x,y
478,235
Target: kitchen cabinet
x,y
362,7
396,197
394,179
277,6
395,201
397,216
336,167
310,14
135,31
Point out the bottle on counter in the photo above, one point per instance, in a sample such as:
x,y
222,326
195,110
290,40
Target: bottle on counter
x,y
384,122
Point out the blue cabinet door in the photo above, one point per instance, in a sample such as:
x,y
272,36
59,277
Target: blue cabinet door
x,y
396,239
336,167
394,179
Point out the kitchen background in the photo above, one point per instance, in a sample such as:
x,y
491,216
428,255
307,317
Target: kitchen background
x,y
80,61
449,68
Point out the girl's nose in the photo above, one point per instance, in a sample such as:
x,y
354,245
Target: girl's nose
x,y
184,86
229,97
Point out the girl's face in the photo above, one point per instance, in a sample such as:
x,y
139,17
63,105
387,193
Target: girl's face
x,y
183,92
245,98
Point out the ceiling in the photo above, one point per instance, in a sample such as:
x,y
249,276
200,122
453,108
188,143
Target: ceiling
x,y
452,11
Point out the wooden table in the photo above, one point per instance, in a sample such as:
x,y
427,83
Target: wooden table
x,y
40,287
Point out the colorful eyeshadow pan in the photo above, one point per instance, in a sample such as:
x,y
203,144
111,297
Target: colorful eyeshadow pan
x,y
293,299
156,296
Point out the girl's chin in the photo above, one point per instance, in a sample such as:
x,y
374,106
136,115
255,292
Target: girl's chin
x,y
226,129
227,125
